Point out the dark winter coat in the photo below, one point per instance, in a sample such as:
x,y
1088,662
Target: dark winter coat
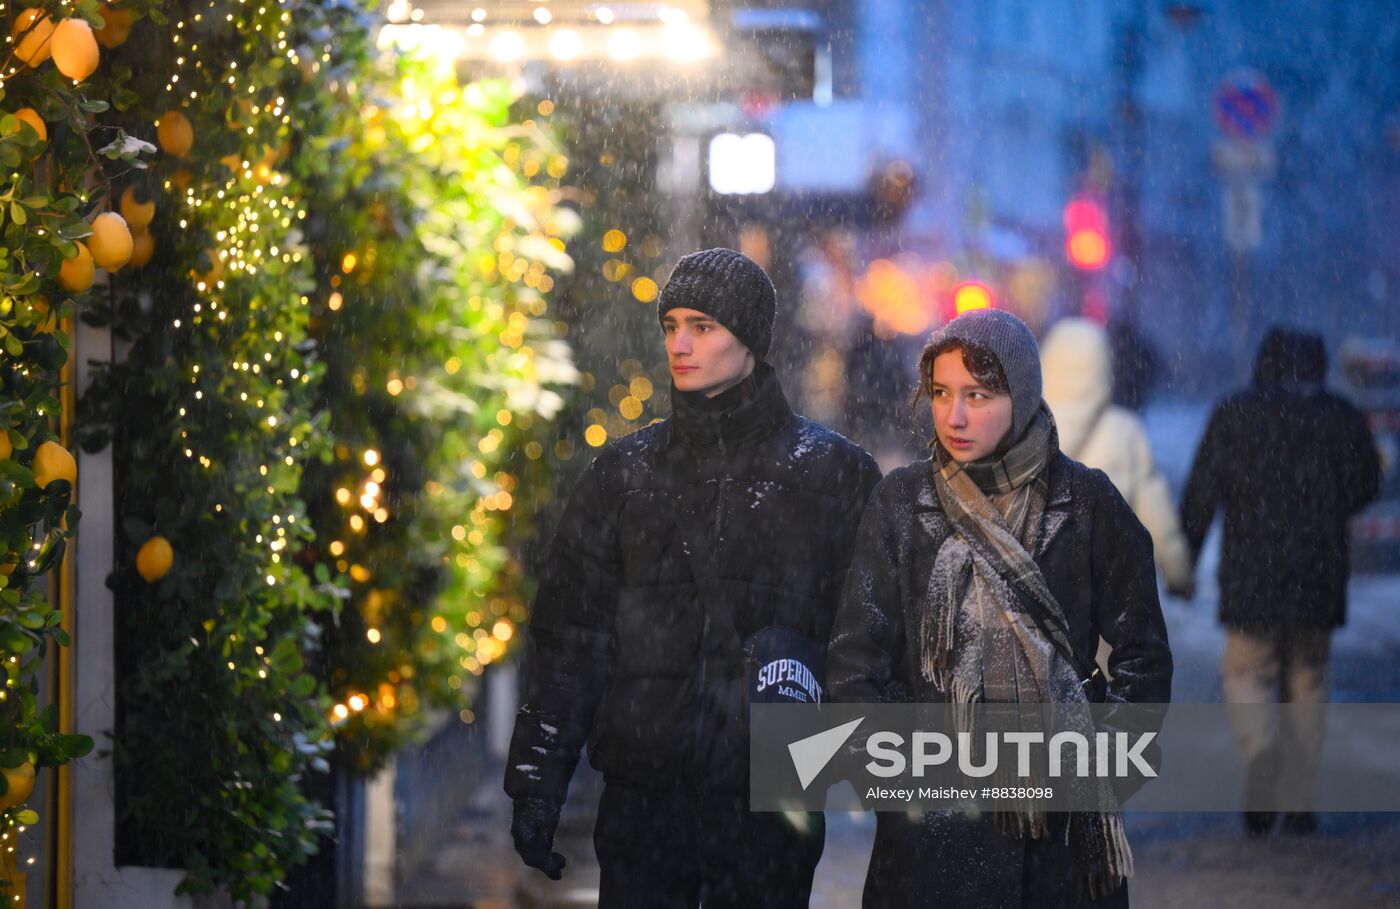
x,y
1097,561
1290,464
627,651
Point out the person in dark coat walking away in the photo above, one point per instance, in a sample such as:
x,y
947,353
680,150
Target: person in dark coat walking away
x,y
1289,463
987,573
683,542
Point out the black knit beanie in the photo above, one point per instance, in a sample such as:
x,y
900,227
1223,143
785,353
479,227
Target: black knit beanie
x,y
730,288
1011,342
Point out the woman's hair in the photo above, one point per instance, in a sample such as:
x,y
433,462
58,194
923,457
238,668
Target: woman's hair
x,y
981,363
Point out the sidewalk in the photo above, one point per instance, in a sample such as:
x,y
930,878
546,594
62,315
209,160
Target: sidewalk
x,y
1182,860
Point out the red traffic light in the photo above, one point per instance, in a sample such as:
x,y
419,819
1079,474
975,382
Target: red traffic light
x,y
1086,234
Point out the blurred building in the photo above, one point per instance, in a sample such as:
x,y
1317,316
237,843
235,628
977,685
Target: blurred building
x,y
1019,105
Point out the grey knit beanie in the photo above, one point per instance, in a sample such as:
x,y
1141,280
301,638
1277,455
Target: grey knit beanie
x,y
1011,342
730,288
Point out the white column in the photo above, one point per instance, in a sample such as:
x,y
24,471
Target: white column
x,y
380,838
503,692
97,882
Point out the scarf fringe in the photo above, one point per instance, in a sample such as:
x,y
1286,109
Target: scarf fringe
x,y
1109,858
1023,825
938,626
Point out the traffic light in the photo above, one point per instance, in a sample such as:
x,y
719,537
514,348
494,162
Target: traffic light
x,y
1086,234
970,295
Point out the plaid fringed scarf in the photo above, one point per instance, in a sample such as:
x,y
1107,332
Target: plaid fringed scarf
x,y
979,639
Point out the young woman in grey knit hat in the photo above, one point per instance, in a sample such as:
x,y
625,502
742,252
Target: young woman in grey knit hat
x,y
986,573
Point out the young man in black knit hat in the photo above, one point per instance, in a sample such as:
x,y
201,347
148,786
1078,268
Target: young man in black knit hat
x,y
683,544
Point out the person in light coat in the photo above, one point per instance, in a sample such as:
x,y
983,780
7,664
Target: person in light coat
x,y
1078,375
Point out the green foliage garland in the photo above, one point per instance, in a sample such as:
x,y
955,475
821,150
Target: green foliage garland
x,y
435,260
211,417
59,148
326,304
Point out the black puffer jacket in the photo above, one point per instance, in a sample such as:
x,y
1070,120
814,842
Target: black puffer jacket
x,y
626,651
1290,464
1097,561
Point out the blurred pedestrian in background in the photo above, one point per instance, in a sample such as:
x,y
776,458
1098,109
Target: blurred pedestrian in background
x,y
1078,370
1136,364
1289,464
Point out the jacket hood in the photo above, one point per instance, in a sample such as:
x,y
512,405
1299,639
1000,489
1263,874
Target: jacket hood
x,y
1288,356
1078,368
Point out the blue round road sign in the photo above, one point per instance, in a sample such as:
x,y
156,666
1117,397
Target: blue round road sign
x,y
1245,105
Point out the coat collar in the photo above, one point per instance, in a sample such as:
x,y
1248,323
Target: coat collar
x,y
762,410
1057,503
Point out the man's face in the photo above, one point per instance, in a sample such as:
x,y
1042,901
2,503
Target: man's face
x,y
704,356
970,419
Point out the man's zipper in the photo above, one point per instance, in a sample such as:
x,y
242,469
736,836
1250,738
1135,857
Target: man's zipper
x,y
705,628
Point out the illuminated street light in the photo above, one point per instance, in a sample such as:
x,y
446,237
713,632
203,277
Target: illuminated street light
x,y
565,44
742,164
685,43
507,46
677,32
624,45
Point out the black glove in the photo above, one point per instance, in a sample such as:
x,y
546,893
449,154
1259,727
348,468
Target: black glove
x,y
532,827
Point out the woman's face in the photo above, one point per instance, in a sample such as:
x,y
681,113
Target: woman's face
x,y
971,419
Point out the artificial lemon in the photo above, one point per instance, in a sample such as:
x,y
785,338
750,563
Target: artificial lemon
x,y
137,208
116,26
74,49
37,29
46,321
7,447
21,785
174,133
143,246
110,242
76,274
154,558
31,116
53,462
215,272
